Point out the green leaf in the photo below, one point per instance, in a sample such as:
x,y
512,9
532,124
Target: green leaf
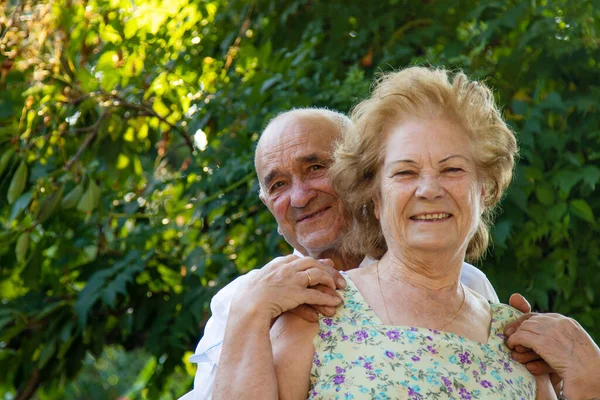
x,y
49,205
545,194
591,175
22,247
18,183
72,198
581,209
90,199
110,34
20,205
6,157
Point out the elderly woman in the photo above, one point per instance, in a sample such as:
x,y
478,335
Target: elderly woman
x,y
427,161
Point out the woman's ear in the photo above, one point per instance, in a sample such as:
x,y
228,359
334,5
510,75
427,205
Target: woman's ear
x,y
376,205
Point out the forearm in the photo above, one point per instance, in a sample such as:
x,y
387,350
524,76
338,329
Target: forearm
x,y
587,385
246,366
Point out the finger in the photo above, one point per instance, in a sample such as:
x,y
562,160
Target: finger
x,y
327,311
539,367
557,382
317,298
337,277
520,303
326,290
306,312
522,349
316,276
525,358
523,338
511,328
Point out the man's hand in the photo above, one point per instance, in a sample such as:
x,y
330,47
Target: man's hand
x,y
565,348
523,354
310,313
288,282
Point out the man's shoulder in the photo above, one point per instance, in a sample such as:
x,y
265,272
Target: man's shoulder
x,y
475,279
471,271
221,302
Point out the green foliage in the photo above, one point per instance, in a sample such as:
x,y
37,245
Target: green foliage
x,y
127,137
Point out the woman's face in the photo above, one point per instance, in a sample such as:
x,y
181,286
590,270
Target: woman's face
x,y
431,197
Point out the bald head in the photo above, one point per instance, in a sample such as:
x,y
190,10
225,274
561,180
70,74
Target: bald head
x,y
331,125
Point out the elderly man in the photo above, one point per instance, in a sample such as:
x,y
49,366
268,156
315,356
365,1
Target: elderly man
x,y
292,160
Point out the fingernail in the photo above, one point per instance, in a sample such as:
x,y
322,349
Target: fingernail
x,y
509,331
341,282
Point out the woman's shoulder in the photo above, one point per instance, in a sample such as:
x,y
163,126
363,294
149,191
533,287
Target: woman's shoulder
x,y
289,326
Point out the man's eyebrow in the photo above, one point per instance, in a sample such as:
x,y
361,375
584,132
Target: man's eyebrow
x,y
312,158
270,177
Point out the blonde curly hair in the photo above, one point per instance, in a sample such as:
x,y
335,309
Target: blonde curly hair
x,y
419,92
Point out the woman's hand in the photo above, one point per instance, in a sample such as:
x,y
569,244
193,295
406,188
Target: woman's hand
x,y
287,283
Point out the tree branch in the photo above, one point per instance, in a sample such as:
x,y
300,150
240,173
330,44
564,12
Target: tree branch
x,y
31,386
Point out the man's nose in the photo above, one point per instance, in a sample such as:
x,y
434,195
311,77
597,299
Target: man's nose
x,y
429,187
302,194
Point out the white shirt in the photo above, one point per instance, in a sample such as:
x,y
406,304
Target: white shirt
x,y
208,350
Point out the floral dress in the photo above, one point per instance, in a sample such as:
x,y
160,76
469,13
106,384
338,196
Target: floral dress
x,y
358,357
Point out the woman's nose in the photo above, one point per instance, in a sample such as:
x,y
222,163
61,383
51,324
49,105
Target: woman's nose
x,y
429,187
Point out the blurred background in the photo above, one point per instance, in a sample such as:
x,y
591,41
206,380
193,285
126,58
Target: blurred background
x,y
127,189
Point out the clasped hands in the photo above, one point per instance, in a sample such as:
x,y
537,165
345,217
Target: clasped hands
x,y
301,285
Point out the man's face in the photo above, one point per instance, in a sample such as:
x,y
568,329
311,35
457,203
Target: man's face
x,y
292,163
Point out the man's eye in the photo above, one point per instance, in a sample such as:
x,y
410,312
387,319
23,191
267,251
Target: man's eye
x,y
315,167
454,169
276,186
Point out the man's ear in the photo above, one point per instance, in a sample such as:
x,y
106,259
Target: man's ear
x,y
261,196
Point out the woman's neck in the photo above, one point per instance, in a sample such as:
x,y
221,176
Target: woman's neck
x,y
433,272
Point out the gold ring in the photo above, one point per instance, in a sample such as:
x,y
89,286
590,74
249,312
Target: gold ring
x,y
309,278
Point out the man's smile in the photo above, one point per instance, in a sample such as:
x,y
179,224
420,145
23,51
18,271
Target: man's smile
x,y
310,216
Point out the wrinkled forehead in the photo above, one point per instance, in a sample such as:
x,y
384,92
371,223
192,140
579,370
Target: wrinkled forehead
x,y
287,139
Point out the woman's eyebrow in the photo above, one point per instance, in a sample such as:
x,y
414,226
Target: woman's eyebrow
x,y
452,156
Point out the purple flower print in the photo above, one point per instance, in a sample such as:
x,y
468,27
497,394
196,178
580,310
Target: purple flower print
x,y
415,358
368,366
482,367
464,393
486,384
507,367
431,349
464,358
429,338
413,329
389,354
447,383
328,321
344,337
340,370
413,395
361,335
338,379
393,335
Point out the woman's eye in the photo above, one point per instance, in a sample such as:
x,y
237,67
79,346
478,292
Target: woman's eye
x,y
456,169
315,167
405,173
